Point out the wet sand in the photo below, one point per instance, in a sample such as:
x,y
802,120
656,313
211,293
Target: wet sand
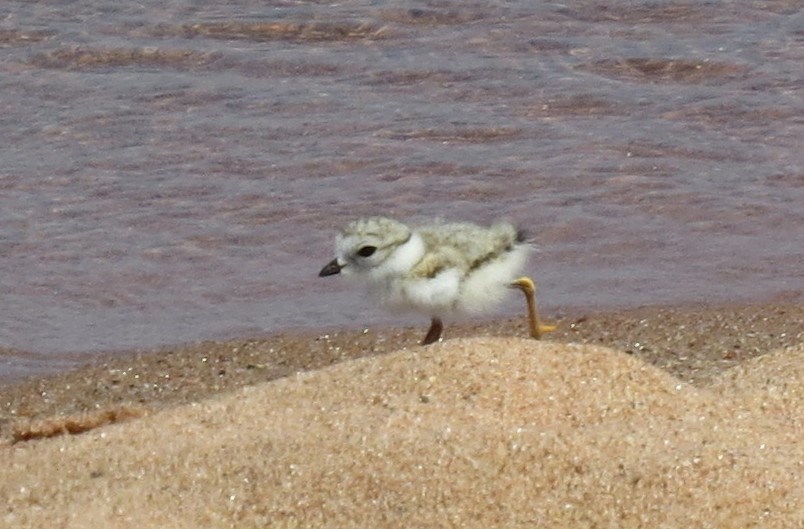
x,y
650,417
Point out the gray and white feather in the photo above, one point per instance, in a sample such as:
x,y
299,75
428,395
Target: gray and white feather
x,y
441,270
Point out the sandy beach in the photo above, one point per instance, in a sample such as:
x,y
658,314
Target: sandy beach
x,y
657,417
177,171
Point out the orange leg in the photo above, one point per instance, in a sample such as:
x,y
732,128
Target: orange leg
x,y
526,285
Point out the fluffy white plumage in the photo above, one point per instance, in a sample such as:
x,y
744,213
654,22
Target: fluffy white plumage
x,y
439,270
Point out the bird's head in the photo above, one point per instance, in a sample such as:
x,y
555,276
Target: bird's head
x,y
365,246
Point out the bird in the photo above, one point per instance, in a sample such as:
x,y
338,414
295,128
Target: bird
x,y
440,269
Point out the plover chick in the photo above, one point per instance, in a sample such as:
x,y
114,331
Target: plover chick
x,y
440,270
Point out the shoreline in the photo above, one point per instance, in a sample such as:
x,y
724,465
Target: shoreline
x,y
620,419
694,343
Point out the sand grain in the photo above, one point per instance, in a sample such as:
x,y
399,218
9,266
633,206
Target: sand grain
x,y
470,433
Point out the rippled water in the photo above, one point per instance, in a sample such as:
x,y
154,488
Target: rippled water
x,y
174,171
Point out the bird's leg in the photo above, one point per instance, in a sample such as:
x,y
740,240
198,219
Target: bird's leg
x,y
434,333
526,285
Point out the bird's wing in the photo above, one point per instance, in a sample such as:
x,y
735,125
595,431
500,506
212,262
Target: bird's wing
x,y
467,246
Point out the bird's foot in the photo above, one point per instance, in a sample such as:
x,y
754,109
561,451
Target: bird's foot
x,y
528,287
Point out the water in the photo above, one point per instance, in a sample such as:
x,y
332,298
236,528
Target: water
x,y
174,171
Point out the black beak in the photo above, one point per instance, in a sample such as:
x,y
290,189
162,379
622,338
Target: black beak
x,y
331,269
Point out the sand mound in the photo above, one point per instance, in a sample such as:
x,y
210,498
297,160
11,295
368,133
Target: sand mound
x,y
771,387
469,433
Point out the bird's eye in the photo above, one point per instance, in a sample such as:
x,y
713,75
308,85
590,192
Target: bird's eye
x,y
366,251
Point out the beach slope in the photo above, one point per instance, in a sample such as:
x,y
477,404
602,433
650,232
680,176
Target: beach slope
x,y
474,432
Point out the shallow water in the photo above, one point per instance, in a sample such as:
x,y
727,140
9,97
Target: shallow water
x,y
175,171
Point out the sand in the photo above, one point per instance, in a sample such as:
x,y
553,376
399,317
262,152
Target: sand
x,y
684,418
